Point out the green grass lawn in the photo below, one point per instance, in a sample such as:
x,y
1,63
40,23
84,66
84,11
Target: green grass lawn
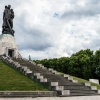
x,y
12,80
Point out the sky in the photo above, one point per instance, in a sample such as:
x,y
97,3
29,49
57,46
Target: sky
x,y
54,28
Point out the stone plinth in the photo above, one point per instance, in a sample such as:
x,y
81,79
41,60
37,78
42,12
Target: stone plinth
x,y
94,81
8,45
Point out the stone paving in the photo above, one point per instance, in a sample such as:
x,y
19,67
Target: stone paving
x,y
57,98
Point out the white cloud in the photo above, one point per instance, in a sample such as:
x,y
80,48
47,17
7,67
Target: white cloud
x,y
42,35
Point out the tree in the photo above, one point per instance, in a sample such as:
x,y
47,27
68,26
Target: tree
x,y
97,63
84,64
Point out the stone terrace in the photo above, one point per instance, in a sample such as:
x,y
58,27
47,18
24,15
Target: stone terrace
x,y
63,85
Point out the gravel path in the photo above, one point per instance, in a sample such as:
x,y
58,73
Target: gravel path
x,y
57,98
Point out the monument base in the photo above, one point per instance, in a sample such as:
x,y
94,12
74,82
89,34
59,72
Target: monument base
x,y
8,46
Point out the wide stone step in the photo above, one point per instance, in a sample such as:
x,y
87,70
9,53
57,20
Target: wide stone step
x,y
76,87
38,69
51,77
31,66
27,93
82,94
83,91
60,82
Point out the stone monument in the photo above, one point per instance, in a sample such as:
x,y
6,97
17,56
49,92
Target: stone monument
x,y
8,44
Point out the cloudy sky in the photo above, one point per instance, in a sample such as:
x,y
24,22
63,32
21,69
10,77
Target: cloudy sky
x,y
54,28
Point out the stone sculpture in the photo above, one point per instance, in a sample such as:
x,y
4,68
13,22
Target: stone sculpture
x,y
8,16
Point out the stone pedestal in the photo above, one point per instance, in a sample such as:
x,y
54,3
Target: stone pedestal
x,y
94,81
8,45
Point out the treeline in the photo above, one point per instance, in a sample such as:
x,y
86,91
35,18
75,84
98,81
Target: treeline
x,y
84,64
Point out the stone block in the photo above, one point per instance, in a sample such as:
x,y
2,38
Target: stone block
x,y
33,63
94,81
66,76
39,77
54,71
58,88
64,92
10,61
87,84
43,80
25,59
39,65
36,74
30,61
93,87
28,72
70,78
8,42
15,63
50,69
98,91
4,57
25,68
17,66
58,73
44,68
75,81
54,84
22,69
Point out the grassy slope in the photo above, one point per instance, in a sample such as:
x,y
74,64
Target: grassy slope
x,y
10,79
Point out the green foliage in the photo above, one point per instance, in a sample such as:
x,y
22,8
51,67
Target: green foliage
x,y
84,64
97,62
10,79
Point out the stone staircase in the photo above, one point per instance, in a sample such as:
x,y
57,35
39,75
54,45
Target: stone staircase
x,y
64,85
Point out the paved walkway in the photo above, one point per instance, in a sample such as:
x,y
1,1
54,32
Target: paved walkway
x,y
57,98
